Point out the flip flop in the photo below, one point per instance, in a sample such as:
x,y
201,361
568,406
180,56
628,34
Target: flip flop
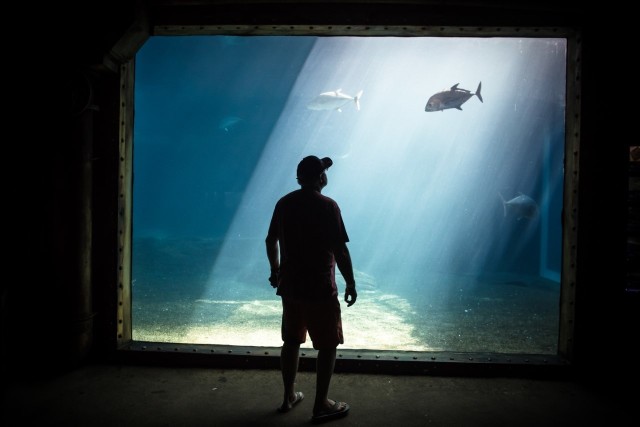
x,y
284,408
338,410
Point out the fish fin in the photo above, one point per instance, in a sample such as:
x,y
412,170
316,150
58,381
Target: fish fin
x,y
478,92
459,108
504,204
455,86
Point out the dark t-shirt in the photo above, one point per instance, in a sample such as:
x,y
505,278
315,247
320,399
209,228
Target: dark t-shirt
x,y
308,226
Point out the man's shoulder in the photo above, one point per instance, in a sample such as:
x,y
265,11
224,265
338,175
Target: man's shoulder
x,y
297,196
289,196
324,199
328,199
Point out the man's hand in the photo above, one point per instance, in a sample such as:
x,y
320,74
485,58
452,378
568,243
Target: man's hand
x,y
350,295
273,279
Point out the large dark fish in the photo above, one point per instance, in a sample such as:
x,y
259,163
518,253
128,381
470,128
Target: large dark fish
x,y
522,206
452,98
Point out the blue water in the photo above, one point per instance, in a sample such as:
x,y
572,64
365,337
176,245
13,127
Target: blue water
x,y
221,123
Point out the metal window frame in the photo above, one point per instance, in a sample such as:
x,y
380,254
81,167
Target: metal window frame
x,y
361,360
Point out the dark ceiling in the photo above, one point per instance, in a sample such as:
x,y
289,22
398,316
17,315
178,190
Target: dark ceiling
x,y
118,27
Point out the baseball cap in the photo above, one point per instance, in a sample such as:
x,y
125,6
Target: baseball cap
x,y
312,166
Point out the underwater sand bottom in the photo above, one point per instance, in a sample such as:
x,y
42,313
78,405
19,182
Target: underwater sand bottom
x,y
368,324
378,321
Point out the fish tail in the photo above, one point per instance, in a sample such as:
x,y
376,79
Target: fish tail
x,y
504,204
357,100
478,92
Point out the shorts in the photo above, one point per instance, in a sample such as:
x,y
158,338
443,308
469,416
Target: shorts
x,y
322,319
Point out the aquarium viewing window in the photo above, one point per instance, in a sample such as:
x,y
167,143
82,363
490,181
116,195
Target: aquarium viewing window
x,y
449,168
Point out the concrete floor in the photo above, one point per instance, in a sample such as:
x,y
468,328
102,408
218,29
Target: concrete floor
x,y
124,395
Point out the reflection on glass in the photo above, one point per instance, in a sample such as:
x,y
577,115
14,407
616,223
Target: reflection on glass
x,y
454,213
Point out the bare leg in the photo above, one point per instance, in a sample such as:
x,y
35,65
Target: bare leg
x,y
289,357
324,370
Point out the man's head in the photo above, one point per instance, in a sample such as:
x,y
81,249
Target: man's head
x,y
311,169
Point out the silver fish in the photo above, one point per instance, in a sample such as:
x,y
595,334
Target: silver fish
x,y
452,98
522,206
334,100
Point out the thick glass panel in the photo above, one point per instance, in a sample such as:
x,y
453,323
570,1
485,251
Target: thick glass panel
x,y
454,215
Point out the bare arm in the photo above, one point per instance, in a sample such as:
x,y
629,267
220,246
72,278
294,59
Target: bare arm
x,y
273,255
343,260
